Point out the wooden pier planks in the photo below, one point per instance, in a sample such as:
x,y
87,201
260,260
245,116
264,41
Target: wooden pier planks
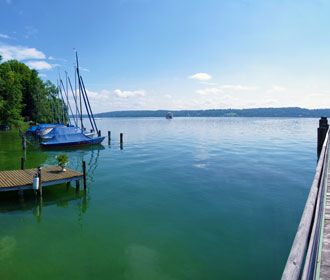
x,y
13,179
325,254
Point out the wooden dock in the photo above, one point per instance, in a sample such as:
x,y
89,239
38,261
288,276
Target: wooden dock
x,y
324,261
309,257
20,180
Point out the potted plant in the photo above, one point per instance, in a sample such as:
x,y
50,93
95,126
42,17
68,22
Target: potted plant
x,y
62,160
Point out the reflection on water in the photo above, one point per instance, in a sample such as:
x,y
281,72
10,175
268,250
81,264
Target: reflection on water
x,y
59,195
89,154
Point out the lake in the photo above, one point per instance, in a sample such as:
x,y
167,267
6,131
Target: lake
x,y
187,198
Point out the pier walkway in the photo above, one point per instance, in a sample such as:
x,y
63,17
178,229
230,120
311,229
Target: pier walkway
x,y
20,180
325,252
309,257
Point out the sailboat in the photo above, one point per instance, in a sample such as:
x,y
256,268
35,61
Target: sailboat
x,y
73,135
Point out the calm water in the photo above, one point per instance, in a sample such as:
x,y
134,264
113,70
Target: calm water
x,y
188,198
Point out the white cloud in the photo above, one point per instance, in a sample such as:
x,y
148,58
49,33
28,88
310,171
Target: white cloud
x,y
168,96
40,65
317,94
209,90
127,93
42,75
51,58
238,87
83,69
275,89
201,77
20,53
4,36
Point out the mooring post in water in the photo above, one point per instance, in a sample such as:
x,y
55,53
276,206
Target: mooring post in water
x,y
24,142
121,141
84,174
22,163
99,133
321,133
40,184
109,136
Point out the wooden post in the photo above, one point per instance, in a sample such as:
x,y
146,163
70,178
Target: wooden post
x,y
99,133
321,133
22,163
109,136
84,173
77,185
121,138
40,184
24,142
68,185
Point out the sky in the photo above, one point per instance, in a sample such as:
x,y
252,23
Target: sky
x,y
177,54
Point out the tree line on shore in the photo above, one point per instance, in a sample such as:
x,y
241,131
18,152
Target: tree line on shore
x,y
290,112
24,96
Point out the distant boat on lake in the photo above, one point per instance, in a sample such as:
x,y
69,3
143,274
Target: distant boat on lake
x,y
169,116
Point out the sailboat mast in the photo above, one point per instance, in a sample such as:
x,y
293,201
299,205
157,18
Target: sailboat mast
x,y
75,101
79,86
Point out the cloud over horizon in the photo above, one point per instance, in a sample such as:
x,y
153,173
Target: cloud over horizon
x,y
9,52
40,65
200,77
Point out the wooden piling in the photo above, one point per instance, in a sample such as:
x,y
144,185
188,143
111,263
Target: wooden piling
x,y
22,163
121,138
109,136
84,174
40,183
321,133
24,143
99,133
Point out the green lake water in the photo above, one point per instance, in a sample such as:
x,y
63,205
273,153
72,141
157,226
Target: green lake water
x,y
188,198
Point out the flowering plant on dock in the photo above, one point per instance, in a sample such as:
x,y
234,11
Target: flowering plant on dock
x,y
62,160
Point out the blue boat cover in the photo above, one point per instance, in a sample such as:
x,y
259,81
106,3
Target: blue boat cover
x,y
63,135
32,129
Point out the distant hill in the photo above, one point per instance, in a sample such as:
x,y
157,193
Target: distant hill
x,y
294,112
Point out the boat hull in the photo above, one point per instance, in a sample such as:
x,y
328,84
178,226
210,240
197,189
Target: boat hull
x,y
92,141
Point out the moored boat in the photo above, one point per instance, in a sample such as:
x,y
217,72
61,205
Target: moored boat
x,y
69,137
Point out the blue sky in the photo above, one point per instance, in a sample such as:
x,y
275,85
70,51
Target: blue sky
x,y
183,54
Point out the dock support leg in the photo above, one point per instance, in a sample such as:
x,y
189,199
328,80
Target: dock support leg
x,y
40,183
77,185
321,134
68,185
84,174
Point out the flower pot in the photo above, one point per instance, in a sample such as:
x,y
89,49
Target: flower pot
x,y
63,168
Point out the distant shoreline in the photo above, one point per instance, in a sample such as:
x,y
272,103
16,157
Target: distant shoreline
x,y
288,112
